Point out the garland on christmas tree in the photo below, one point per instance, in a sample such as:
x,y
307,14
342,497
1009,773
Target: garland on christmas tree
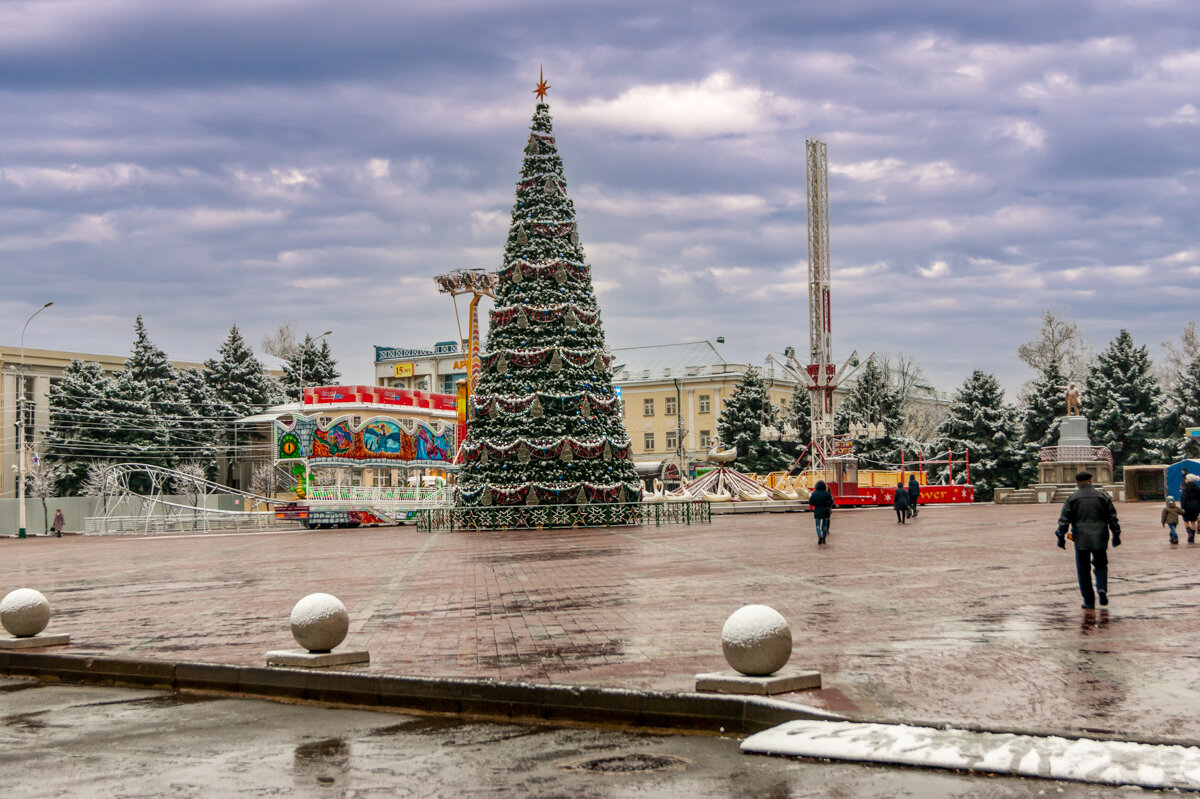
x,y
544,425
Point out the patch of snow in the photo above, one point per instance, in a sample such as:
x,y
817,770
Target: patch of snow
x,y
1050,757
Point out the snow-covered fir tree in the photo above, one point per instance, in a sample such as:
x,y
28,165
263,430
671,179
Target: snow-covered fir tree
x,y
319,367
1123,402
980,421
202,420
240,383
133,431
148,366
545,423
1184,413
873,399
743,416
1044,405
797,414
79,426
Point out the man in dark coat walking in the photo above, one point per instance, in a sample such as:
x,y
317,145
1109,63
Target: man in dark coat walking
x,y
900,503
1089,515
914,493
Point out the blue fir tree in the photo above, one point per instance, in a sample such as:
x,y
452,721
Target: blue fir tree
x,y
872,399
1044,406
743,416
319,367
1123,402
544,423
78,422
980,421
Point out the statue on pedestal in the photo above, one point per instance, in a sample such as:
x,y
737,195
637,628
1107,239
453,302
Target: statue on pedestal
x,y
1072,393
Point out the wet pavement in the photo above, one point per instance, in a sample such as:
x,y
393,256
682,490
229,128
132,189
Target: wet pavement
x,y
91,741
967,615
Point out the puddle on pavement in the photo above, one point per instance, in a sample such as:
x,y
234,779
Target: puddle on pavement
x,y
549,555
325,762
175,700
25,722
18,686
427,725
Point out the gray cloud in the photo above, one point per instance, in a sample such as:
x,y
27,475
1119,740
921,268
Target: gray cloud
x,y
316,163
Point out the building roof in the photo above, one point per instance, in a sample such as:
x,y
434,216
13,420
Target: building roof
x,y
672,360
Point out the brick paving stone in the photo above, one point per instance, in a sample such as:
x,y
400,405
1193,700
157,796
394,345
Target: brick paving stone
x,y
966,614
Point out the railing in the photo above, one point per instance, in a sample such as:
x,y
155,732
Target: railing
x,y
381,494
201,521
535,517
1076,454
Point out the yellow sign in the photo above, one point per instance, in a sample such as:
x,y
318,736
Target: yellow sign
x,y
460,364
404,370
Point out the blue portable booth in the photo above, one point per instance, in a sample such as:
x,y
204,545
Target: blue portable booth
x,y
1175,476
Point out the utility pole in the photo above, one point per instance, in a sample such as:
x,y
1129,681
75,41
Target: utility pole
x,y
22,455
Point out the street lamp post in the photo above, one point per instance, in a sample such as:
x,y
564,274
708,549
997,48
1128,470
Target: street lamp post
x,y
300,377
21,453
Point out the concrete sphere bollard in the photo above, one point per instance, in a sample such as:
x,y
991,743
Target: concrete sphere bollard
x,y
320,622
756,640
24,612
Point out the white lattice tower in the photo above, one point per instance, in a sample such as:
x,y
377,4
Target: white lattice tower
x,y
822,373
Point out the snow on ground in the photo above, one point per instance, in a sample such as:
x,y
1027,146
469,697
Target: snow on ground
x,y
1084,760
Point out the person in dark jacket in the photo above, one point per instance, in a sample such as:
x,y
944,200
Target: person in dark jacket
x,y
914,493
1189,502
821,502
1089,515
900,503
59,523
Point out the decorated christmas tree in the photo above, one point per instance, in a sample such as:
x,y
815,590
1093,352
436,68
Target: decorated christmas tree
x,y
544,424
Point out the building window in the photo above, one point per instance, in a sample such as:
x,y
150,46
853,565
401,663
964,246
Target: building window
x,y
671,406
449,383
705,404
649,442
706,438
672,440
648,407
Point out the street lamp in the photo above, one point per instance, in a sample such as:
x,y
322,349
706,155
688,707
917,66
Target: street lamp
x,y
300,377
21,454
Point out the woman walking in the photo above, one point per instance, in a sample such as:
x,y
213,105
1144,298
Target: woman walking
x,y
900,502
1189,500
821,502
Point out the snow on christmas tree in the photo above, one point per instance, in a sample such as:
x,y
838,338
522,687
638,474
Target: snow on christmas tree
x,y
545,424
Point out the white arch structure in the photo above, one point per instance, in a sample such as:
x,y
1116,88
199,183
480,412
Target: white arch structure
x,y
169,500
174,501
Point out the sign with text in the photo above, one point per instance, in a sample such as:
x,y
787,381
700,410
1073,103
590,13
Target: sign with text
x,y
403,370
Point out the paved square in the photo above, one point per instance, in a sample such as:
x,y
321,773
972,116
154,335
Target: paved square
x,y
966,614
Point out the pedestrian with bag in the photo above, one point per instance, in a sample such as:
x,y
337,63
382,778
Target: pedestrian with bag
x,y
1088,516
1189,501
900,502
59,522
821,502
914,494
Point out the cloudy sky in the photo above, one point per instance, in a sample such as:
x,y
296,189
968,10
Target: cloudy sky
x,y
317,162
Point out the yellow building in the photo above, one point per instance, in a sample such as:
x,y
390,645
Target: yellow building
x,y
41,369
672,396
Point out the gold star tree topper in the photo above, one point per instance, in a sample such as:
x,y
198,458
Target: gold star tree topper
x,y
542,86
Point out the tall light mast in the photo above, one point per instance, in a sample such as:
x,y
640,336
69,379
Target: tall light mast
x,y
821,375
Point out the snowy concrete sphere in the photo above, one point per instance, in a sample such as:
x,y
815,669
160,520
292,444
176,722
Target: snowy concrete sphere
x,y
24,612
320,622
756,640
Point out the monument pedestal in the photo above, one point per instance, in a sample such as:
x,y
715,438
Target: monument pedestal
x,y
1074,454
